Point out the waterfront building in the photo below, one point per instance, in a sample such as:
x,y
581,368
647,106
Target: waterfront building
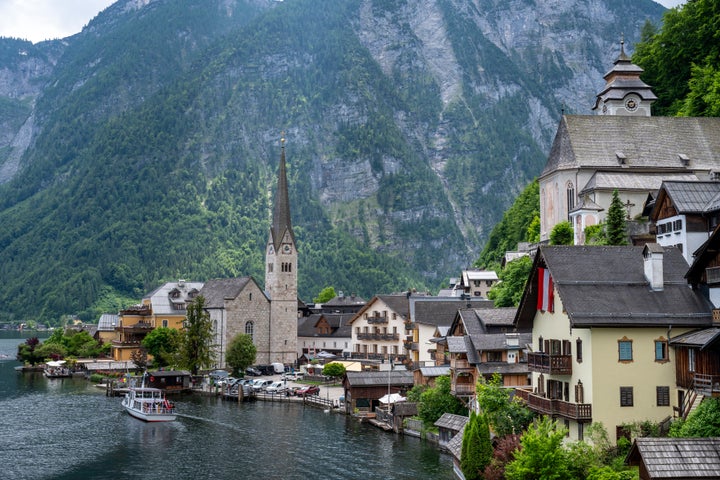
x,y
601,320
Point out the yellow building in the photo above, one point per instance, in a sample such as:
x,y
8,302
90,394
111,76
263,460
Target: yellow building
x,y
164,307
601,319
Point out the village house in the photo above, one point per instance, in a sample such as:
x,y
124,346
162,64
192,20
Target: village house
x,y
326,328
685,213
622,148
427,314
363,390
163,307
483,342
378,329
601,320
477,283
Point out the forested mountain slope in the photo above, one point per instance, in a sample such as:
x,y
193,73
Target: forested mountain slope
x,y
144,148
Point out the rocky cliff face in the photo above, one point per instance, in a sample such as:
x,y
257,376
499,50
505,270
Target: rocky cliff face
x,y
411,124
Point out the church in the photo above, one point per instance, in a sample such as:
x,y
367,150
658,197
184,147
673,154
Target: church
x,y
624,148
269,315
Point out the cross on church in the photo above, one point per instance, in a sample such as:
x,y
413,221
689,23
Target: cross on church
x,y
627,206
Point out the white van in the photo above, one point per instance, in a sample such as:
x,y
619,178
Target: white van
x,y
278,367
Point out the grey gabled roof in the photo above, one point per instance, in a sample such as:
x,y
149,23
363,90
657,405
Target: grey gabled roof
x,y
451,421
345,301
369,379
439,311
218,290
689,197
603,180
456,344
697,338
591,141
501,316
307,327
435,371
606,287
677,458
454,446
108,322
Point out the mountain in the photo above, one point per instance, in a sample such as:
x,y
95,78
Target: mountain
x,y
144,148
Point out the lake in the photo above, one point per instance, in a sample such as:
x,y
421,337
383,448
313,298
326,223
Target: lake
x,y
68,429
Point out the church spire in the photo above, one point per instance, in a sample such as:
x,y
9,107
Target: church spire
x,y
624,93
281,213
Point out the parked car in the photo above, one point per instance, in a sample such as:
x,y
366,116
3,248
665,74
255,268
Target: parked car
x,y
252,371
266,369
226,381
292,376
307,390
261,384
276,387
217,375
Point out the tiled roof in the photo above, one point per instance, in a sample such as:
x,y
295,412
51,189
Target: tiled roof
x,y
337,321
435,371
456,344
160,299
697,338
602,180
499,341
502,316
217,290
454,446
685,458
606,286
440,311
690,197
108,322
593,140
369,379
344,301
502,367
451,421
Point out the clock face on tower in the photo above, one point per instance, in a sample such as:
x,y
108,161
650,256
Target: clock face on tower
x,y
631,104
286,248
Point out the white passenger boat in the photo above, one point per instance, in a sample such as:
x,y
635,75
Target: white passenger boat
x,y
148,404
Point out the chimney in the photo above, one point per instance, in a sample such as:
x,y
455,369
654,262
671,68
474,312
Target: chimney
x,y
653,259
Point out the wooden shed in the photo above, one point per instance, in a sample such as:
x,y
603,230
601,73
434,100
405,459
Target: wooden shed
x,y
676,458
364,389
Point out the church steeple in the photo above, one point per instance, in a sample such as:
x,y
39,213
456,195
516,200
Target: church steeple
x,y
624,92
281,223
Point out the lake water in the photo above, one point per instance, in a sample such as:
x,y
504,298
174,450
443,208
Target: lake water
x,y
68,429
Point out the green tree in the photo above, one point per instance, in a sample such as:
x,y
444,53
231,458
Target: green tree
x,y
616,231
334,370
163,344
533,230
438,400
541,455
139,357
562,234
27,351
703,99
506,415
196,347
678,56
703,422
51,350
476,450
241,353
326,294
513,228
595,234
509,291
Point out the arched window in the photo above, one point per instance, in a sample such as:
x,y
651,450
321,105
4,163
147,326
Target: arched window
x,y
570,191
249,329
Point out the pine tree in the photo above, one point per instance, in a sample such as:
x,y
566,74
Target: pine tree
x,y
196,348
616,231
476,450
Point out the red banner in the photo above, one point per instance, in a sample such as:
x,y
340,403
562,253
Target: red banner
x,y
545,301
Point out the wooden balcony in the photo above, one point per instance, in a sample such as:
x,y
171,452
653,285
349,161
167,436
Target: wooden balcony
x,y
460,364
409,326
581,412
377,319
550,364
705,384
462,389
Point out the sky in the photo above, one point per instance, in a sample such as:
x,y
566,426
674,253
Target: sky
x,y
38,20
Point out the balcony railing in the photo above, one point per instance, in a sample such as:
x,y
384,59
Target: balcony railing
x,y
460,364
377,319
552,407
388,337
706,384
463,389
551,364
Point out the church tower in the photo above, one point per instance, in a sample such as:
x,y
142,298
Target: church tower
x,y
281,276
624,92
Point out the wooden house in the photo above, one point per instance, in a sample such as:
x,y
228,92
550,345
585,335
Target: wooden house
x,y
363,390
676,458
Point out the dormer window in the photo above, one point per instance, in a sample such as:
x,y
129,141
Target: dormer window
x,y
621,158
684,159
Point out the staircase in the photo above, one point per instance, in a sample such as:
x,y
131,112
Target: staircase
x,y
690,403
